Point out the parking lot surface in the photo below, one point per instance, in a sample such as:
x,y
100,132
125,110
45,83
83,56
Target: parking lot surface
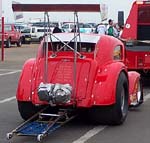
x,y
136,128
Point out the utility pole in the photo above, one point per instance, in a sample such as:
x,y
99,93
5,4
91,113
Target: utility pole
x,y
2,30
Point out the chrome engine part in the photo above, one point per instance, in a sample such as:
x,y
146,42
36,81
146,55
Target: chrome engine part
x,y
55,93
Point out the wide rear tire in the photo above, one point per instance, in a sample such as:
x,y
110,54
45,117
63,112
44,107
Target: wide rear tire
x,y
117,113
27,109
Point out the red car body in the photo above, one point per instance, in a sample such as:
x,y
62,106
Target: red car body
x,y
95,71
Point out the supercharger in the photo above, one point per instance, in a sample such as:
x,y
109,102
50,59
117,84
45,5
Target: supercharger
x,y
55,93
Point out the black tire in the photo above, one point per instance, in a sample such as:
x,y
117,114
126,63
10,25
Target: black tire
x,y
23,40
120,110
27,109
8,43
117,113
40,39
19,43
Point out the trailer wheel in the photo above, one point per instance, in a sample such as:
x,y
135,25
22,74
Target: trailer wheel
x,y
27,109
115,114
9,136
40,137
8,43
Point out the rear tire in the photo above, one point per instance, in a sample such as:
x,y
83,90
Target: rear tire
x,y
120,110
19,43
117,113
40,39
27,109
8,43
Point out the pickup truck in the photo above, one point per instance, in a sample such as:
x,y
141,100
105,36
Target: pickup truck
x,y
11,36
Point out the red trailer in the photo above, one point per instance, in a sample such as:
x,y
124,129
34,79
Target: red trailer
x,y
81,72
136,37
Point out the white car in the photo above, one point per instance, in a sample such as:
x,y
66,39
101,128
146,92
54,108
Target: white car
x,y
84,28
36,33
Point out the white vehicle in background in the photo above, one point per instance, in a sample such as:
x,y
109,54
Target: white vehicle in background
x,y
37,33
84,27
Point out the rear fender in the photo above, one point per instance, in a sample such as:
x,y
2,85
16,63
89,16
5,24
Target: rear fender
x,y
134,79
25,81
104,90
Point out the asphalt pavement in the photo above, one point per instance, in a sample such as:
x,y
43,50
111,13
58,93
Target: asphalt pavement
x,y
136,128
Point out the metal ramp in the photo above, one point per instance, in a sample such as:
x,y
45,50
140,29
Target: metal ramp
x,y
43,126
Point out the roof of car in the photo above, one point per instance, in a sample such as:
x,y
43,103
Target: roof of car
x,y
85,38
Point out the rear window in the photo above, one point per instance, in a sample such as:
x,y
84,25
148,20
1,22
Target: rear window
x,y
81,47
7,27
43,30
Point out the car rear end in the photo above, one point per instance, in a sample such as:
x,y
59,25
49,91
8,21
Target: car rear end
x,y
65,71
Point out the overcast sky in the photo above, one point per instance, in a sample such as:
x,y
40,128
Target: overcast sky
x,y
113,7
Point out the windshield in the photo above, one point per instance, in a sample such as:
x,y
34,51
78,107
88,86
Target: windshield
x,y
6,28
26,30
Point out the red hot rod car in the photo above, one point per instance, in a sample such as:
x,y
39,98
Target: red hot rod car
x,y
79,71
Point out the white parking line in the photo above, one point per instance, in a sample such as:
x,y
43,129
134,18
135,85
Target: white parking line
x,y
7,99
9,69
98,129
8,73
90,134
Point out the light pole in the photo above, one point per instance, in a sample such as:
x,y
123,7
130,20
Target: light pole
x,y
2,30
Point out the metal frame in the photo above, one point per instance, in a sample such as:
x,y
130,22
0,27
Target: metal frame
x,y
46,127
